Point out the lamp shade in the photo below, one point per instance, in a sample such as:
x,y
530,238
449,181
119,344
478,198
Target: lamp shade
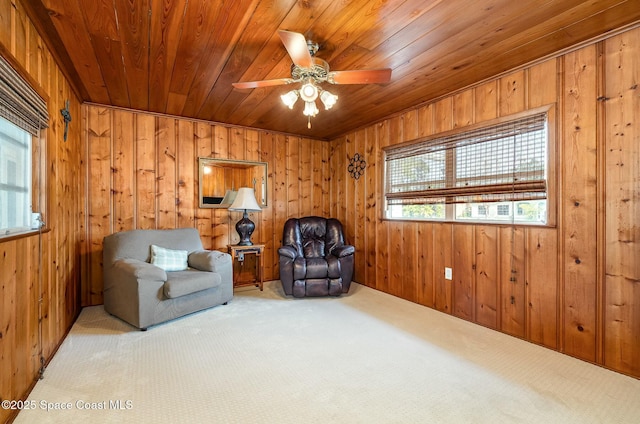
x,y
245,200
310,109
328,99
290,98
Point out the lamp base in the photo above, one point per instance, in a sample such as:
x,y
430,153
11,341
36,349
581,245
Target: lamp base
x,y
245,228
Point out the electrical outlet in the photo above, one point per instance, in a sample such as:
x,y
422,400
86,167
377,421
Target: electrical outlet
x,y
448,274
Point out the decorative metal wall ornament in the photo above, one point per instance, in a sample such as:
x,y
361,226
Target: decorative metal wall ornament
x,y
66,114
357,165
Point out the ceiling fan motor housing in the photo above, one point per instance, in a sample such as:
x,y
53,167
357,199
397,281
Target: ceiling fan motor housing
x,y
319,71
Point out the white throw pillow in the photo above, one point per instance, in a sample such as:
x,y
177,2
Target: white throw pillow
x,y
169,260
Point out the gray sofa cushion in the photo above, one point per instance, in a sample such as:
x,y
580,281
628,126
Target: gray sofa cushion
x,y
181,283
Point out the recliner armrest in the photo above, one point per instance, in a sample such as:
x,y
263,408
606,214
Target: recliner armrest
x,y
208,260
288,251
139,269
344,250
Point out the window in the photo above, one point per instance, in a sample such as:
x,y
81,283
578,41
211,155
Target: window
x,y
484,173
15,178
23,113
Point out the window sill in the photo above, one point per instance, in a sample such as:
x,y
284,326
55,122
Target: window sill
x,y
471,222
23,234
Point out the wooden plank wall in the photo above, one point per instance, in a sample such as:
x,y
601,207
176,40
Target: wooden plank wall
x,y
576,289
577,283
46,268
620,156
142,172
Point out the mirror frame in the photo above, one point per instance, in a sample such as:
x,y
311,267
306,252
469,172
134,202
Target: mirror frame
x,y
232,163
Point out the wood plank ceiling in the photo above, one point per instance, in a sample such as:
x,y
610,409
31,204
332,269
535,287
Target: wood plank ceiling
x,y
180,56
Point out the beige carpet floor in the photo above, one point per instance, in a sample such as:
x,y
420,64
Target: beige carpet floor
x,y
366,357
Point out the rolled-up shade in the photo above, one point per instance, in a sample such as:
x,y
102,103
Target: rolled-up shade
x,y
501,162
19,103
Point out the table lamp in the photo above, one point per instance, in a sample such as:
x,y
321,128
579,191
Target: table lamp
x,y
245,201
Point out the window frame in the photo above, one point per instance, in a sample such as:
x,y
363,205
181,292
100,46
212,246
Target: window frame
x,y
39,186
450,215
39,155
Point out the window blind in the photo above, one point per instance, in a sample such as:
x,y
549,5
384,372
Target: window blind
x,y
19,103
502,162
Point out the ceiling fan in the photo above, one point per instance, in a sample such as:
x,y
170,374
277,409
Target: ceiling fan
x,y
311,71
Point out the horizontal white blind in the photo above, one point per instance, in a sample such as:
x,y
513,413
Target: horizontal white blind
x,y
502,162
19,103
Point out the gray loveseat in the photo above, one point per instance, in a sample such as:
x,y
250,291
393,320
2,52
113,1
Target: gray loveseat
x,y
143,294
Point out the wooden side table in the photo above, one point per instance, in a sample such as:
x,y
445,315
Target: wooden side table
x,y
248,265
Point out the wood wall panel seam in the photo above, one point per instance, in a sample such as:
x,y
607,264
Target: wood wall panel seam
x,y
600,203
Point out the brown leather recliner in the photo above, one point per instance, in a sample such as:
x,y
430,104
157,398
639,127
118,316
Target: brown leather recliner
x,y
314,259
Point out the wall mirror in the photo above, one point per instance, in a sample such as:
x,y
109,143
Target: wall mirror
x,y
220,180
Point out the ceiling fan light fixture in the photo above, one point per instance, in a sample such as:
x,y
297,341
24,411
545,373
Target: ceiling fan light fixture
x,y
328,99
309,91
290,98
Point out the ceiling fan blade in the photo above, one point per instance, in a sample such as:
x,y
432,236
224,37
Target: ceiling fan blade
x,y
296,46
263,83
370,76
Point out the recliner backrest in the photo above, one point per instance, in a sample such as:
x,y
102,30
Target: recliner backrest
x,y
313,236
313,230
